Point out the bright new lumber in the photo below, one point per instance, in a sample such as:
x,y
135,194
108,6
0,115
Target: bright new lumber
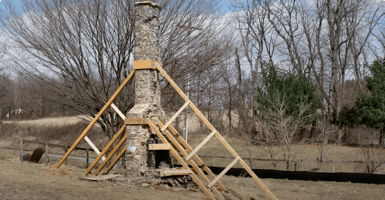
x,y
104,151
201,145
211,127
135,121
174,172
224,171
197,158
118,111
114,161
180,160
145,64
176,115
93,146
159,147
114,150
191,162
88,128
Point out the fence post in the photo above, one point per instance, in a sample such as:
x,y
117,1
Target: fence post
x,y
295,165
212,161
88,157
288,165
46,154
21,150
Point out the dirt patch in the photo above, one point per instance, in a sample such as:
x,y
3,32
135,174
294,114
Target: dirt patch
x,y
35,181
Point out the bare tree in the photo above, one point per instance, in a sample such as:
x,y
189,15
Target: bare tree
x,y
81,50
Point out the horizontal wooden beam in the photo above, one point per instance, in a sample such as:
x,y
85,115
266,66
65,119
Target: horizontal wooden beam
x,y
146,64
158,147
135,121
175,172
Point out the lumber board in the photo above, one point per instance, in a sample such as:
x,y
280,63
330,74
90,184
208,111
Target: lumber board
x,y
100,178
135,121
159,147
256,178
118,111
191,162
180,160
224,171
114,161
185,97
104,151
201,145
145,64
174,172
88,128
176,115
197,158
93,146
114,150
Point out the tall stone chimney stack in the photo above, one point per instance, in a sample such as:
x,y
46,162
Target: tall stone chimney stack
x,y
147,92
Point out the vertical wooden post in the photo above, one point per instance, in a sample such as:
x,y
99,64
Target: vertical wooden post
x,y
295,165
21,150
88,157
46,154
288,165
66,159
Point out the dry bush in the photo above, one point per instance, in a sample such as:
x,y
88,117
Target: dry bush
x,y
12,132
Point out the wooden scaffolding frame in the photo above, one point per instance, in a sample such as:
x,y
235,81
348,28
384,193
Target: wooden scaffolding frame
x,y
171,139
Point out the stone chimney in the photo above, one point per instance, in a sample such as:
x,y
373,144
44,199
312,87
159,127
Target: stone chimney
x,y
139,159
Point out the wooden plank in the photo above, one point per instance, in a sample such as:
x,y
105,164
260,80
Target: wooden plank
x,y
255,177
121,153
118,111
135,121
191,162
180,160
93,146
174,172
197,158
201,145
176,115
183,95
114,150
36,155
88,128
100,178
145,64
224,172
159,147
104,151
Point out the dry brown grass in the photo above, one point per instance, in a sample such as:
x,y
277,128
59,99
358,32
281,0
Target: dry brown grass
x,y
307,152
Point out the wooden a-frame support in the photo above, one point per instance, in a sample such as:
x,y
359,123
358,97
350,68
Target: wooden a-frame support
x,y
167,133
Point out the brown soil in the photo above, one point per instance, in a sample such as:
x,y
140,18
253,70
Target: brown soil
x,y
36,181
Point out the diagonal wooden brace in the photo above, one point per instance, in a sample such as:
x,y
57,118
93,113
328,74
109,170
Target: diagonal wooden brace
x,y
201,145
175,115
224,172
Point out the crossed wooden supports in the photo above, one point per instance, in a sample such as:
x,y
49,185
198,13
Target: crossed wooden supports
x,y
171,139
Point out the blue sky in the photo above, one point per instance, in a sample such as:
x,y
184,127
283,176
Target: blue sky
x,y
225,5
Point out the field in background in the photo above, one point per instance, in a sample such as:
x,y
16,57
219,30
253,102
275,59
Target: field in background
x,y
65,130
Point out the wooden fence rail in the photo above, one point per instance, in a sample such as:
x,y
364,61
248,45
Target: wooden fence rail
x,y
295,161
47,144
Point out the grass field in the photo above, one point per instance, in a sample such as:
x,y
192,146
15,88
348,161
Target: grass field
x,y
36,181
64,130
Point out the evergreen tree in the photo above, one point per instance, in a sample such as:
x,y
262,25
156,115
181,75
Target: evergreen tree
x,y
293,90
372,107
